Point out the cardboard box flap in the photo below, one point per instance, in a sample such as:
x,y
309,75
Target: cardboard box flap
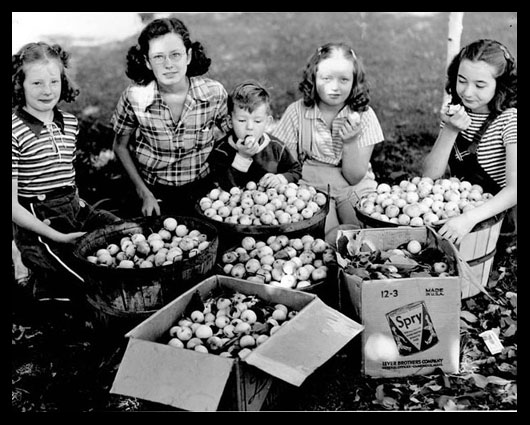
x,y
153,372
306,342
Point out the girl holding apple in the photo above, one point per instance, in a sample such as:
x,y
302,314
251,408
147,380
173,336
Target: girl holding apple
x,y
478,136
167,120
332,131
47,213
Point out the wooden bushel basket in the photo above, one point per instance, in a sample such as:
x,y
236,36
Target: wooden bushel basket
x,y
477,248
229,233
134,294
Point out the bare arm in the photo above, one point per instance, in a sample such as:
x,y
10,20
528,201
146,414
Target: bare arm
x,y
355,162
457,227
23,218
435,163
149,202
355,159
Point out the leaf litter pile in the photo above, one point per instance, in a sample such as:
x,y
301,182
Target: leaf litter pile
x,y
61,362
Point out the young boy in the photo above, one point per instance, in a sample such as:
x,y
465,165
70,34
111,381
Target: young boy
x,y
248,153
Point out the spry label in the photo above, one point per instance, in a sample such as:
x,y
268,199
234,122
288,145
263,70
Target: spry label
x,y
412,328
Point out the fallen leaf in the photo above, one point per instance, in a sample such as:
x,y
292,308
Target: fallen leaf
x,y
468,316
480,380
497,380
389,403
446,403
510,331
434,387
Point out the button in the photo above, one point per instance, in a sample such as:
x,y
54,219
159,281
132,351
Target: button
x,y
41,197
82,203
46,221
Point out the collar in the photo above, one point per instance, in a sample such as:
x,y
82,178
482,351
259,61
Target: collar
x,y
315,113
36,125
147,95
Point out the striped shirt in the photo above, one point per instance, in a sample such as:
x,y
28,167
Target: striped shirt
x,y
327,145
42,155
168,152
491,151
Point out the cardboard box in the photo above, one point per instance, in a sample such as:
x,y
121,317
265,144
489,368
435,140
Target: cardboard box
x,y
195,381
412,325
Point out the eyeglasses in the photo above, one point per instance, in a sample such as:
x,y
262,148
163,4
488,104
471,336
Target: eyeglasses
x,y
173,57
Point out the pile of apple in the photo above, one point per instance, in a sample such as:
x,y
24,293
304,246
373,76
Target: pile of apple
x,y
422,201
255,205
410,259
279,261
173,242
229,325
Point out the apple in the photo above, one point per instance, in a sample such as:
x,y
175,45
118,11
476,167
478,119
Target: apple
x,y
249,316
175,342
113,249
126,264
203,331
440,267
252,265
413,246
184,333
279,315
197,316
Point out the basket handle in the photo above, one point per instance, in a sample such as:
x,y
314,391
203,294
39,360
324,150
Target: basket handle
x,y
466,269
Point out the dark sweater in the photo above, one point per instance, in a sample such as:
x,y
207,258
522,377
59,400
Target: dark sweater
x,y
275,158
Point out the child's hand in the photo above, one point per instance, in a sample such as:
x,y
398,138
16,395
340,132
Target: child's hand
x,y
270,180
351,127
456,228
70,237
455,116
248,147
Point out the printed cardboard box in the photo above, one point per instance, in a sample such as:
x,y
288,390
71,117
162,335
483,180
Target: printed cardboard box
x,y
412,325
196,381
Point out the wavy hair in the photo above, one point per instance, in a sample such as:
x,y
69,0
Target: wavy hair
x,y
359,97
498,56
137,69
35,52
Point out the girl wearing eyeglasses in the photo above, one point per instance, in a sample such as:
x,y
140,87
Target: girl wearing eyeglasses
x,y
167,120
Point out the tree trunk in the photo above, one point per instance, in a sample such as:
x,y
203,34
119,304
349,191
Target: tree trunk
x,y
453,41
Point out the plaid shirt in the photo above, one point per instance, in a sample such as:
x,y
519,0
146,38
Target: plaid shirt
x,y
168,152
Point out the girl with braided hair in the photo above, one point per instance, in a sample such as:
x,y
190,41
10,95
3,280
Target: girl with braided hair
x,y
478,136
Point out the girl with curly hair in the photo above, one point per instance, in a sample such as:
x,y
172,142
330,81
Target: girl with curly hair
x,y
167,120
332,131
47,213
478,136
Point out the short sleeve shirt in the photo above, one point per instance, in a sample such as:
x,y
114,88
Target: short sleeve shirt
x,y
491,150
42,155
327,144
168,152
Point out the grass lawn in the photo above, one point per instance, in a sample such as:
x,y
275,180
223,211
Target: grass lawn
x,y
404,56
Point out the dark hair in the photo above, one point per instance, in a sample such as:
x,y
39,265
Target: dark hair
x,y
359,97
498,56
35,52
136,56
248,95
